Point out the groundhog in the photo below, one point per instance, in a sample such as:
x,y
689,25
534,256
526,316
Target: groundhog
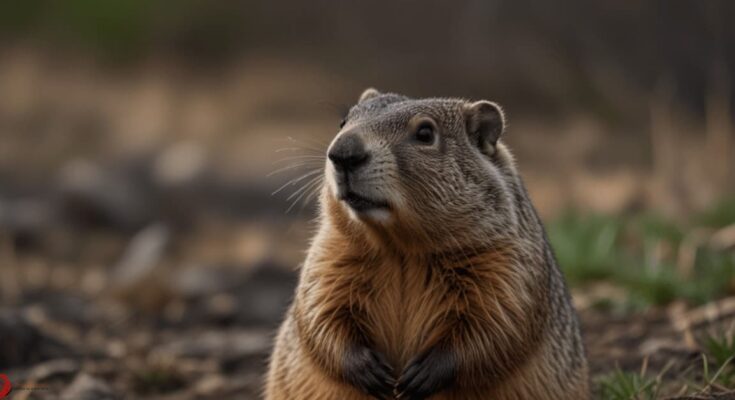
x,y
430,275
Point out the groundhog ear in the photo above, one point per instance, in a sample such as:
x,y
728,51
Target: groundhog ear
x,y
369,93
485,123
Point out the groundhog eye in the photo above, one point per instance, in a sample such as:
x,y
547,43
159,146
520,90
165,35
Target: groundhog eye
x,y
342,123
425,134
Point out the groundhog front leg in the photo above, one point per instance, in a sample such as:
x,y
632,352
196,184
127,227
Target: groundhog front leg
x,y
334,339
470,354
428,373
368,370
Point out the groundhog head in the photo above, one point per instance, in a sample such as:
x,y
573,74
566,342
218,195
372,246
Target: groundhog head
x,y
429,168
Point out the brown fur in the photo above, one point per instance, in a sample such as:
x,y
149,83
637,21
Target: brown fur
x,y
496,301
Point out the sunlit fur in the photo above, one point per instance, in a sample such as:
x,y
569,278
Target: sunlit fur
x,y
460,261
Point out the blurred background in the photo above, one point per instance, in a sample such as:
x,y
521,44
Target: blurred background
x,y
144,254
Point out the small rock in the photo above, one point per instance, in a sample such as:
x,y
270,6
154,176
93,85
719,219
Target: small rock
x,y
86,387
210,384
141,256
52,369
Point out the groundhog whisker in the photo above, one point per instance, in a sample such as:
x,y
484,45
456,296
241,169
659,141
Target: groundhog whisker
x,y
303,190
314,192
311,192
306,158
299,149
292,139
313,142
303,187
312,164
286,168
296,180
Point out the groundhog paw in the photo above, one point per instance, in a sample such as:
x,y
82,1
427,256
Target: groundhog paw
x,y
427,374
369,371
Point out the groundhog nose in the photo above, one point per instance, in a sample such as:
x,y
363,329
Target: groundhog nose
x,y
348,153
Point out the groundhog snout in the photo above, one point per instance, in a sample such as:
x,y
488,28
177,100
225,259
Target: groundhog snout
x,y
348,153
356,178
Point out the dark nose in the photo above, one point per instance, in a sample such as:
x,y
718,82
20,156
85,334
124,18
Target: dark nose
x,y
348,153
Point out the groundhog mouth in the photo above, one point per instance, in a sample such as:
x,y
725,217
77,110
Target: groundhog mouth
x,y
361,203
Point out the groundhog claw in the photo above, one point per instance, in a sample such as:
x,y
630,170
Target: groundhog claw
x,y
426,375
368,371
